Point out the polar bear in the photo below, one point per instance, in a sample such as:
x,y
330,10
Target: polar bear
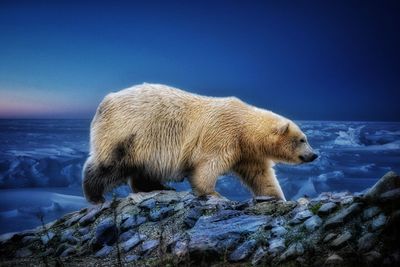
x,y
149,134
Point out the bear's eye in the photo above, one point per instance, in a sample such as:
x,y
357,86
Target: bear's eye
x,y
302,140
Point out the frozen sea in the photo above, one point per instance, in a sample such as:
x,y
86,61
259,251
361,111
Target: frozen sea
x,y
41,162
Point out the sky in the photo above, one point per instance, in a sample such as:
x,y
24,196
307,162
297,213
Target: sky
x,y
307,60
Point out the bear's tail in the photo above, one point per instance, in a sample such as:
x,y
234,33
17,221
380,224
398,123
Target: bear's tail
x,y
92,182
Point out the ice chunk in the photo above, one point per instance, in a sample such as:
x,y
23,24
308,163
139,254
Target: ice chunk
x,y
351,137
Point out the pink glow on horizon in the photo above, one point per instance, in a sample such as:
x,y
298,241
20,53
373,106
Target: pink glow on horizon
x,y
39,105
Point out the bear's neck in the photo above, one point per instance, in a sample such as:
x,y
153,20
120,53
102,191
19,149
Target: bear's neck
x,y
257,140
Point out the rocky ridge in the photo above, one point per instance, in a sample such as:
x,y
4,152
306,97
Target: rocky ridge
x,y
168,228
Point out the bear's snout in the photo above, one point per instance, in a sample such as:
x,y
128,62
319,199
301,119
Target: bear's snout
x,y
309,157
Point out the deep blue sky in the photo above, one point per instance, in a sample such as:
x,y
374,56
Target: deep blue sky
x,y
328,60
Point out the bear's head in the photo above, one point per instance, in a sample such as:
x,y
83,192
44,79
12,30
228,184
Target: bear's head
x,y
290,144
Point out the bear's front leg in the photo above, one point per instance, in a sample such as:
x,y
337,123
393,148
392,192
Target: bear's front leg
x,y
261,179
269,185
93,182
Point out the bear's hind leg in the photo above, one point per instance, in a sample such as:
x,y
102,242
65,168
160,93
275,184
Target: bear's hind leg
x,y
204,178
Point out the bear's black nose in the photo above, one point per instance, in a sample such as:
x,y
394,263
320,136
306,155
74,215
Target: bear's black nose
x,y
313,157
308,158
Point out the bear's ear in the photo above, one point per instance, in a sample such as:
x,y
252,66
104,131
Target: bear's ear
x,y
282,128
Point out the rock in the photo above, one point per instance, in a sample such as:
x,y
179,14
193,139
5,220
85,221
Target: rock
x,y
47,237
132,258
61,248
67,236
392,259
303,201
370,213
106,205
258,256
305,214
278,231
313,223
212,232
126,235
89,217
392,196
50,224
301,261
333,260
367,242
84,230
378,222
372,258
181,248
329,237
275,208
216,201
149,245
259,199
168,198
125,217
86,237
106,233
188,198
69,251
73,220
347,200
341,239
104,251
388,182
170,240
277,221
276,246
301,216
132,242
139,197
133,221
178,206
293,251
327,208
243,205
341,195
394,219
16,237
343,198
215,246
23,253
324,196
192,217
221,231
342,216
8,237
159,214
243,251
148,204
29,239
48,252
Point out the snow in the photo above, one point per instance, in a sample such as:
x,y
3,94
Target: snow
x,y
22,208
